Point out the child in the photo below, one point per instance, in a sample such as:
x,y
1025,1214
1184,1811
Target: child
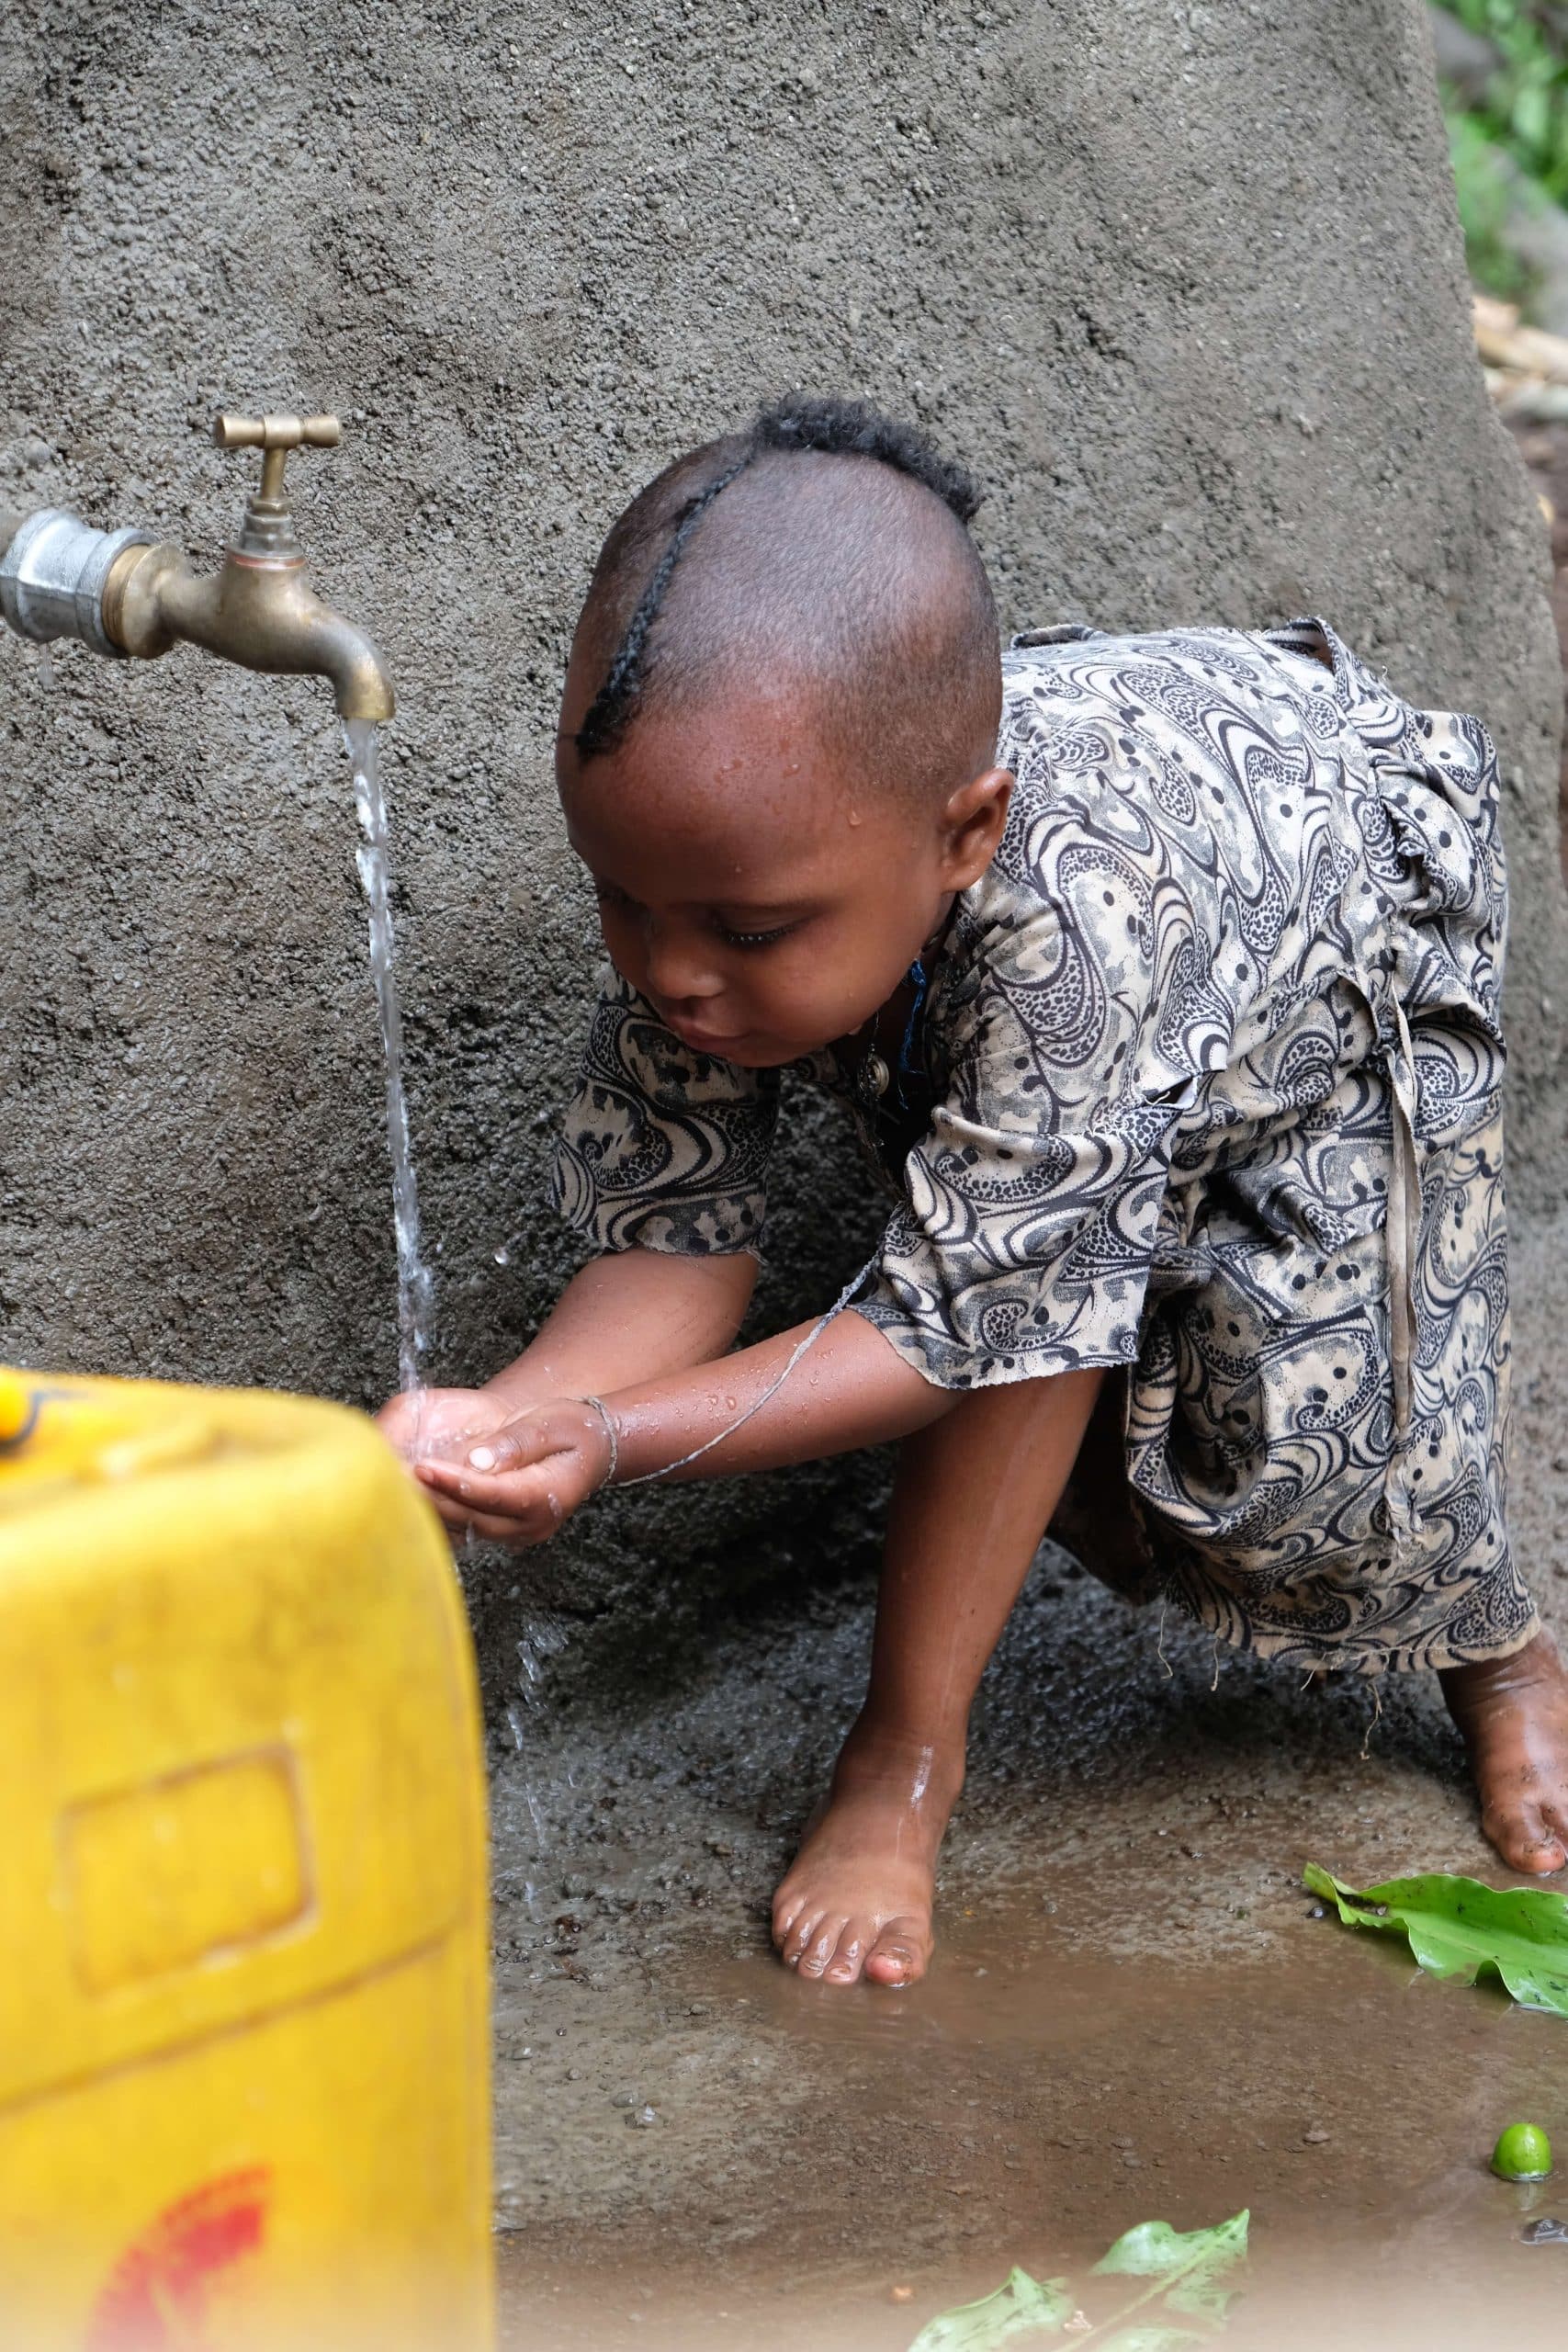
x,y
1162,975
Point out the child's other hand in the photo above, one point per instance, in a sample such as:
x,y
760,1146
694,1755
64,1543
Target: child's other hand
x,y
521,1481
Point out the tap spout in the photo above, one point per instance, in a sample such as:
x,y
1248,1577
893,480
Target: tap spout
x,y
259,611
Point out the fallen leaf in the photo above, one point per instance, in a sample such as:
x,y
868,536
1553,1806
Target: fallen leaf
x,y
1021,2307
1183,2274
1190,2264
1457,1928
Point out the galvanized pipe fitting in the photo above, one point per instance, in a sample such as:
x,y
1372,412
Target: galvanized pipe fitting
x,y
52,576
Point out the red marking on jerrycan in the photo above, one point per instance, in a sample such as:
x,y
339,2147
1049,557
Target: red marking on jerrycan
x,y
157,2298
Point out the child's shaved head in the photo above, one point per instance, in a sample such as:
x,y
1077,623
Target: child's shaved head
x,y
777,747
823,555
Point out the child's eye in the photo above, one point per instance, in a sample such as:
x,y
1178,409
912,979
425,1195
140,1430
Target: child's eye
x,y
753,938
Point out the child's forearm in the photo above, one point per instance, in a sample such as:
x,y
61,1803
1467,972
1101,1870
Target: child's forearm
x,y
850,1388
629,1318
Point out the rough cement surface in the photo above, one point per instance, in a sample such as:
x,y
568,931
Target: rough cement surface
x,y
1183,281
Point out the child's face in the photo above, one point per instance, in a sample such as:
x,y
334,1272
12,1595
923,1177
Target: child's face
x,y
764,900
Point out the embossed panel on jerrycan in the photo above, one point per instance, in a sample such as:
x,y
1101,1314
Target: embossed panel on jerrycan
x,y
243,2047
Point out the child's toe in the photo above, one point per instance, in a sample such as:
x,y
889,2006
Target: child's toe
x,y
898,1955
848,1960
1553,1812
1525,1833
797,1942
787,1909
814,1959
1545,1852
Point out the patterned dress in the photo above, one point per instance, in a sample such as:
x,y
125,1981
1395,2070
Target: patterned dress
x,y
1213,1063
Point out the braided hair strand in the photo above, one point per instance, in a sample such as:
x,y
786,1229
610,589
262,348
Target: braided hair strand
x,y
801,423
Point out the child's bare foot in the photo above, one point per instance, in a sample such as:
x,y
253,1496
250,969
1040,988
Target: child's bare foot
x,y
1513,1713
858,1899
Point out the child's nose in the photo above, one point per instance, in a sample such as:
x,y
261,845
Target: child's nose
x,y
678,969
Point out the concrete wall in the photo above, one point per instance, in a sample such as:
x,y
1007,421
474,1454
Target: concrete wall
x,y
1183,281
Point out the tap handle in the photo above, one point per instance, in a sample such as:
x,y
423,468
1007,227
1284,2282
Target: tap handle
x,y
275,432
274,436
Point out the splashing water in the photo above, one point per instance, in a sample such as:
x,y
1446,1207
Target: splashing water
x,y
415,1287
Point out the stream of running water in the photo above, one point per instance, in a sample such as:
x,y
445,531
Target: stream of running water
x,y
415,1287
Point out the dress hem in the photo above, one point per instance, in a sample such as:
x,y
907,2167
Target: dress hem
x,y
1363,1661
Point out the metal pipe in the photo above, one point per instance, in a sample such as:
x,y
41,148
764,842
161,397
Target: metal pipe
x,y
52,576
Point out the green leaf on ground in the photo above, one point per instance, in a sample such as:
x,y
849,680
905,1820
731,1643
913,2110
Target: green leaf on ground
x,y
1191,2263
1024,2306
1457,1928
1179,2272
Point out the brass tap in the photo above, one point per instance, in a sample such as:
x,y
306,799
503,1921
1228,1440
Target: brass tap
x,y
260,609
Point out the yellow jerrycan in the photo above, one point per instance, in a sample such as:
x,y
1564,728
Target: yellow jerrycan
x,y
243,2041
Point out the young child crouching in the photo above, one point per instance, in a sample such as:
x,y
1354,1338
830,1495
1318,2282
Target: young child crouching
x,y
1162,975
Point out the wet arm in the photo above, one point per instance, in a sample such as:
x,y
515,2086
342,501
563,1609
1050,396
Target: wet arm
x,y
850,1388
628,1318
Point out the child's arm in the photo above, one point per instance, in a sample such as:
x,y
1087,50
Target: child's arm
x,y
627,1319
850,1388
631,1316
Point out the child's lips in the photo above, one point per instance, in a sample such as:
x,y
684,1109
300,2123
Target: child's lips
x,y
706,1041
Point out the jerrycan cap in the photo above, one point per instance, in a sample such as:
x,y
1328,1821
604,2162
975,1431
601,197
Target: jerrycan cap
x,y
19,1408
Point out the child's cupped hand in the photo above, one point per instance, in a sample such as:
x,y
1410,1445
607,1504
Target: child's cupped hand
x,y
437,1420
519,1481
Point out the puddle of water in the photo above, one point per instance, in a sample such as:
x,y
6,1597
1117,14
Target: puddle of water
x,y
814,2152
1333,2301
415,1287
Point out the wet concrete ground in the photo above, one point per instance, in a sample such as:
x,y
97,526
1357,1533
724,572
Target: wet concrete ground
x,y
1133,2013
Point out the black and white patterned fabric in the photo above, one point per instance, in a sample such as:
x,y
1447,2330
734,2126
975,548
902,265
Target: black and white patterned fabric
x,y
1213,1061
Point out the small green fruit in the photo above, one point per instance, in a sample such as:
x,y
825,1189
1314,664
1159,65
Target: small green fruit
x,y
1524,2153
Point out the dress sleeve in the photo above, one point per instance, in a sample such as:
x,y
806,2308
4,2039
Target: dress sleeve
x,y
662,1147
1024,1242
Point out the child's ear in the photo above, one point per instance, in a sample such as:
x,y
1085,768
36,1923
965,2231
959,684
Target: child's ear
x,y
972,820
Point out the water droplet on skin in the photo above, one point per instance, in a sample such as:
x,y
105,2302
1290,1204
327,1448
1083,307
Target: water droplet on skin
x,y
855,817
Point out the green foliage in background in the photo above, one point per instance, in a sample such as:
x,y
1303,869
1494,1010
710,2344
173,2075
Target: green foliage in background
x,y
1484,185
1519,127
1525,106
